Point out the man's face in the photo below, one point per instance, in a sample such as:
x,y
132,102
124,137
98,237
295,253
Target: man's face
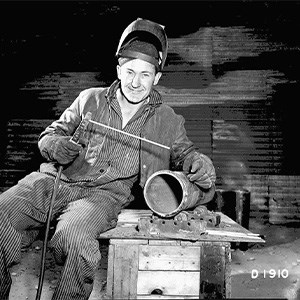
x,y
137,79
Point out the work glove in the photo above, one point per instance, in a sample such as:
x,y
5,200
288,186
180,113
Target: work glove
x,y
64,151
199,169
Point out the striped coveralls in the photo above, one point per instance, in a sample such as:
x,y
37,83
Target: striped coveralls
x,y
92,190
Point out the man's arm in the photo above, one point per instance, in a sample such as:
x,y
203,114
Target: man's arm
x,y
197,166
54,142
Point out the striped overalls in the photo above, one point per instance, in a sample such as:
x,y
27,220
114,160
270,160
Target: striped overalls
x,y
93,189
85,206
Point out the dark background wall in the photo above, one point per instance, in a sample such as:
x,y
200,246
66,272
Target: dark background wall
x,y
236,62
40,36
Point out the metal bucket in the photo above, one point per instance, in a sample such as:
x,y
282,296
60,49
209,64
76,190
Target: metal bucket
x,y
169,192
236,205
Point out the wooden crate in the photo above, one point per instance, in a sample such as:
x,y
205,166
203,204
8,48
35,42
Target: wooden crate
x,y
156,267
168,269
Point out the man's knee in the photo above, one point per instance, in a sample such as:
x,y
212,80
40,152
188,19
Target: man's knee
x,y
72,240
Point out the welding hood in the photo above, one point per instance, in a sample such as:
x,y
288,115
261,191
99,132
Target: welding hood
x,y
143,28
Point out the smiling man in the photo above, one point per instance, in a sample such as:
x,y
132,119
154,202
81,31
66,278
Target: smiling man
x,y
99,172
137,77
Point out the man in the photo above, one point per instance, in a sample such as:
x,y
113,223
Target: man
x,y
99,172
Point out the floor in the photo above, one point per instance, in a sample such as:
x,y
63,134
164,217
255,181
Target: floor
x,y
270,270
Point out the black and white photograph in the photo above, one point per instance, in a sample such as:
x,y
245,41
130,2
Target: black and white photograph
x,y
149,150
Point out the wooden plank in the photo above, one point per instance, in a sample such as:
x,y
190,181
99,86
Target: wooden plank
x,y
213,271
128,241
233,237
191,243
232,229
210,235
171,297
110,272
169,258
125,271
168,282
227,274
165,242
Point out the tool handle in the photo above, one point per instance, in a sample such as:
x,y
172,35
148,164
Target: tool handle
x,y
80,129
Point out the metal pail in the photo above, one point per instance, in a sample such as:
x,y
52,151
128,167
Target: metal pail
x,y
169,192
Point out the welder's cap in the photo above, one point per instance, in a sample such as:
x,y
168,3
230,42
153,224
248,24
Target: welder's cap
x,y
146,40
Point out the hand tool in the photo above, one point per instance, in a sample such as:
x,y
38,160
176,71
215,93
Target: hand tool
x,y
74,139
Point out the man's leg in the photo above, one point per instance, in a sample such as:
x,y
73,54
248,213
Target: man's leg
x,y
76,246
10,240
23,206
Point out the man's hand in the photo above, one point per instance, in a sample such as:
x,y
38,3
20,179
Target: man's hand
x,y
200,170
65,151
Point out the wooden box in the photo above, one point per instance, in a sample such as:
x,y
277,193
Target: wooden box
x,y
148,269
143,267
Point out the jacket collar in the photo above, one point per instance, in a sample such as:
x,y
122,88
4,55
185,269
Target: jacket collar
x,y
155,98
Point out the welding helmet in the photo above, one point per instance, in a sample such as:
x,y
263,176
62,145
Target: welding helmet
x,y
145,40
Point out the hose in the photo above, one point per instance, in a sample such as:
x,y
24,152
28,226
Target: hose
x,y
43,259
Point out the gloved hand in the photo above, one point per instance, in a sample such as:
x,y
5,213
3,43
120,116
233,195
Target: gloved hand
x,y
65,151
199,169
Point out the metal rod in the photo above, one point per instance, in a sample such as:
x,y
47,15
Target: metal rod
x,y
132,135
43,259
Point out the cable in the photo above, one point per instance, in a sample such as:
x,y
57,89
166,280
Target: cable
x,y
43,259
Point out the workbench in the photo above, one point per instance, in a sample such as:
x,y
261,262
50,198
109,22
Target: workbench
x,y
157,267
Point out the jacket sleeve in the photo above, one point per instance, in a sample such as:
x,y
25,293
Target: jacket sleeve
x,y
64,126
184,153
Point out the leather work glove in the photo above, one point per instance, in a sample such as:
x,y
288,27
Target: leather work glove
x,y
199,169
64,151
